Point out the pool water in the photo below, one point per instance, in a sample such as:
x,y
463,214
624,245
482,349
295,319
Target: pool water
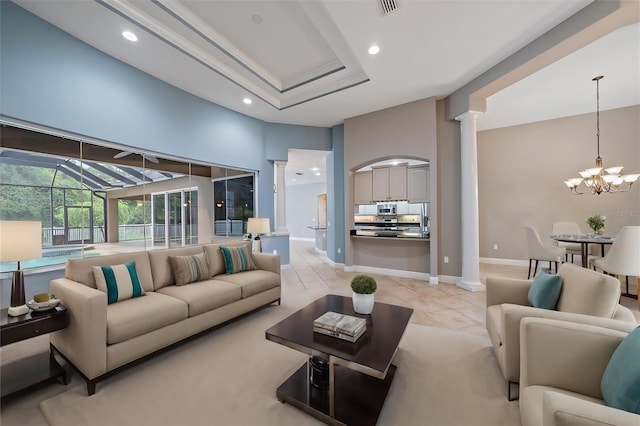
x,y
50,257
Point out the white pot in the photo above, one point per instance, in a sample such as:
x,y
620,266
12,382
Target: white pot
x,y
363,303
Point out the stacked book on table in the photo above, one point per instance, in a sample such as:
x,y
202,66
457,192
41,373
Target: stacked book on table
x,y
342,326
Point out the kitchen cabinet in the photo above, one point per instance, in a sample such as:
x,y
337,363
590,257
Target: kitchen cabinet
x,y
389,183
418,184
362,187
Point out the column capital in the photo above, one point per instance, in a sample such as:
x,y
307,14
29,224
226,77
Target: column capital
x,y
468,114
280,163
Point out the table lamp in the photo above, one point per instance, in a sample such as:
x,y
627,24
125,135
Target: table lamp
x,y
257,226
19,240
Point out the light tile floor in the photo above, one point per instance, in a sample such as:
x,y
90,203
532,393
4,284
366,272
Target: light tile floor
x,y
310,276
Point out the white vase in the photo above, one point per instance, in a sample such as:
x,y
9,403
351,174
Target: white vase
x,y
363,303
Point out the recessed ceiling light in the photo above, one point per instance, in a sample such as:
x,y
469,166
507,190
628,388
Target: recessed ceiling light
x,y
317,173
257,19
314,169
374,49
293,179
129,36
247,101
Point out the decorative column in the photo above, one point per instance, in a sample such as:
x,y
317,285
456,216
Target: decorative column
x,y
281,200
470,223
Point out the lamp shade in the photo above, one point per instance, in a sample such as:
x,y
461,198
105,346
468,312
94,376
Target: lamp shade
x,y
258,225
20,240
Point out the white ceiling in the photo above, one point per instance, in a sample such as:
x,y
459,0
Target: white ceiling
x,y
305,166
306,61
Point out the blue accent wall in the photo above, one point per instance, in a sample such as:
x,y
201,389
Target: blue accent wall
x,y
335,196
50,78
280,137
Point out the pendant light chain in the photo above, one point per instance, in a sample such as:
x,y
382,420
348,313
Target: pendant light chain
x,y
597,79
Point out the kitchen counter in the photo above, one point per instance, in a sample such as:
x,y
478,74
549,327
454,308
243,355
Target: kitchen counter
x,y
398,237
321,238
407,254
387,233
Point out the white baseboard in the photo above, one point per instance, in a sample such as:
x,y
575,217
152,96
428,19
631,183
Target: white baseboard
x,y
303,239
390,272
449,279
497,261
470,285
332,263
323,252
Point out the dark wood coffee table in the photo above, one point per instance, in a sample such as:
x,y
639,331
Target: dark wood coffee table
x,y
360,373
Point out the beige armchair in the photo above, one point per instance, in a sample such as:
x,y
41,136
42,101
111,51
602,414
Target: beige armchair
x,y
587,297
562,365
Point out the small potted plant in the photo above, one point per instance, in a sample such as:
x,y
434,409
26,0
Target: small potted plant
x,y
596,223
363,287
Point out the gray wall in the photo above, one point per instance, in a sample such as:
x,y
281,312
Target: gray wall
x,y
407,131
302,208
521,170
449,194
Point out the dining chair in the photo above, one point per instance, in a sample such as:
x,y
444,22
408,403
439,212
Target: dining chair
x,y
567,228
623,258
541,252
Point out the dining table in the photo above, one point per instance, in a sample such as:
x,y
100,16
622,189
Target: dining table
x,y
584,241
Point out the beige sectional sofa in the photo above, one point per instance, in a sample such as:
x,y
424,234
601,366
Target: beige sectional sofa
x,y
104,338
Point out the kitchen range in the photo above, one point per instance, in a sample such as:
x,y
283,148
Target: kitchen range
x,y
391,225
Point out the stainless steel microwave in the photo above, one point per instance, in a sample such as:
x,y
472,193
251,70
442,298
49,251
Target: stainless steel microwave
x,y
387,209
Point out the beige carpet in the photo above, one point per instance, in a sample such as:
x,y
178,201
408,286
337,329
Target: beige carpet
x,y
229,377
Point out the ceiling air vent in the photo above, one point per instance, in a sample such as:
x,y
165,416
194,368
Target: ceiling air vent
x,y
389,6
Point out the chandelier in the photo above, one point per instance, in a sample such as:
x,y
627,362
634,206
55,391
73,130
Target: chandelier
x,y
598,179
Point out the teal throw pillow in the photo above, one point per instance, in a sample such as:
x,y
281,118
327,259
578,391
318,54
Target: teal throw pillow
x,y
545,290
620,385
237,259
120,282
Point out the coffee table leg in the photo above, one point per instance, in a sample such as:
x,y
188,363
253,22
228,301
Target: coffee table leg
x,y
332,388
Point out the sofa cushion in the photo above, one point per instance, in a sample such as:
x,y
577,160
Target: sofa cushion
x,y
620,384
134,317
545,290
120,282
215,257
160,266
204,296
189,269
81,270
237,259
588,292
252,282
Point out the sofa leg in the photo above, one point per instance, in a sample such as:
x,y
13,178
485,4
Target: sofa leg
x,y
91,387
509,383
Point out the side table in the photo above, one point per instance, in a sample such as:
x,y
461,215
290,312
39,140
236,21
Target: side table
x,y
37,369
